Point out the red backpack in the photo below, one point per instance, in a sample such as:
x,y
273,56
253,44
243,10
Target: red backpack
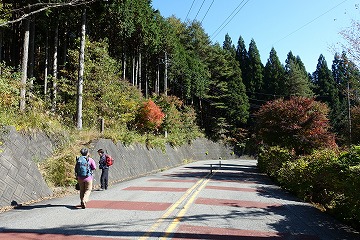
x,y
108,160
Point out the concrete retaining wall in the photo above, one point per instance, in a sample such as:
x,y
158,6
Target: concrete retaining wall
x,y
21,180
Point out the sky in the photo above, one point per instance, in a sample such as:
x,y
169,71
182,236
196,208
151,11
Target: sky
x,y
308,28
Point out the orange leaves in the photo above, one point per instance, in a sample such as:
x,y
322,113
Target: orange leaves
x,y
150,116
299,123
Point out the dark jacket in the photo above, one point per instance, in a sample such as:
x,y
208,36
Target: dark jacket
x,y
102,162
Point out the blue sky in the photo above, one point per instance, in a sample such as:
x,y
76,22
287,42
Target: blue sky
x,y
308,28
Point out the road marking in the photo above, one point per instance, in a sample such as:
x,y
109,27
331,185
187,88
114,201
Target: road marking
x,y
176,221
172,209
156,189
236,203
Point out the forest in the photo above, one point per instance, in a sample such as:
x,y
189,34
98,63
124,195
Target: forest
x,y
82,60
70,64
70,55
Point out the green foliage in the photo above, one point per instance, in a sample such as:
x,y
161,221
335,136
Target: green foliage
x,y
9,87
270,160
299,123
293,176
105,94
254,81
180,120
59,173
274,76
297,82
355,115
327,178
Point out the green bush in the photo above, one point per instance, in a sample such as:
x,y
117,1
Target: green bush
x,y
294,176
326,177
271,159
324,173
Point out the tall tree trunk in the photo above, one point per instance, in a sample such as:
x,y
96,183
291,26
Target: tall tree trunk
x,y
81,71
157,81
24,64
1,44
133,71
55,65
124,66
136,71
146,81
165,75
32,53
46,65
63,45
140,72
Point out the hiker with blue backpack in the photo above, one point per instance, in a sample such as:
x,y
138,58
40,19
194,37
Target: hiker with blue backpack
x,y
84,173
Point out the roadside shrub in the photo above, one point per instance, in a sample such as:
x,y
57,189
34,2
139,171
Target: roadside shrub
x,y
327,178
325,175
149,117
347,206
294,176
9,87
271,159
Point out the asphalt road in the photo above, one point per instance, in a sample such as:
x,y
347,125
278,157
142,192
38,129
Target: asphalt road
x,y
227,199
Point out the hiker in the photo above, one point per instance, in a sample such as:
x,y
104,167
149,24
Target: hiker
x,y
104,163
84,173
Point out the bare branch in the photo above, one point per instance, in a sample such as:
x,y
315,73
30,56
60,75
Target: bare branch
x,y
47,6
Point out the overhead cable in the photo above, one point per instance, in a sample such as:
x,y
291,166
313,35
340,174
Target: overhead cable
x,y
207,11
230,19
189,10
199,9
310,22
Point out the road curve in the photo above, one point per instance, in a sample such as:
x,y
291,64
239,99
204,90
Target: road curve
x,y
212,199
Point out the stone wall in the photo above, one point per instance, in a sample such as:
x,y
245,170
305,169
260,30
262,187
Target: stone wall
x,y
21,180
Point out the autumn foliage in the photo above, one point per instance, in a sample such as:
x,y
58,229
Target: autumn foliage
x,y
299,124
149,117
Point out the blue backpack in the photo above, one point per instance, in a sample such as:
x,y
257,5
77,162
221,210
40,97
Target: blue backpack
x,y
82,167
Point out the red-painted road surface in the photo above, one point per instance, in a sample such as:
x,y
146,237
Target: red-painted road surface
x,y
233,201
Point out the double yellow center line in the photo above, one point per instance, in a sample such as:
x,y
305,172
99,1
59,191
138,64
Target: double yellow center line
x,y
190,194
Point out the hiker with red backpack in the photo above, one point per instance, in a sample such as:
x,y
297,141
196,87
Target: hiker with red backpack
x,y
105,162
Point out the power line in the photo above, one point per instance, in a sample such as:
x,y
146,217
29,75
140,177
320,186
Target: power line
x,y
189,10
310,22
227,18
222,26
199,9
207,11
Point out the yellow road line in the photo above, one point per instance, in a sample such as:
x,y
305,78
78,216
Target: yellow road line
x,y
181,214
171,209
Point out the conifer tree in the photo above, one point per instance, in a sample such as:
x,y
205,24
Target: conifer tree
x,y
274,77
228,45
242,58
325,89
297,81
255,73
346,76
